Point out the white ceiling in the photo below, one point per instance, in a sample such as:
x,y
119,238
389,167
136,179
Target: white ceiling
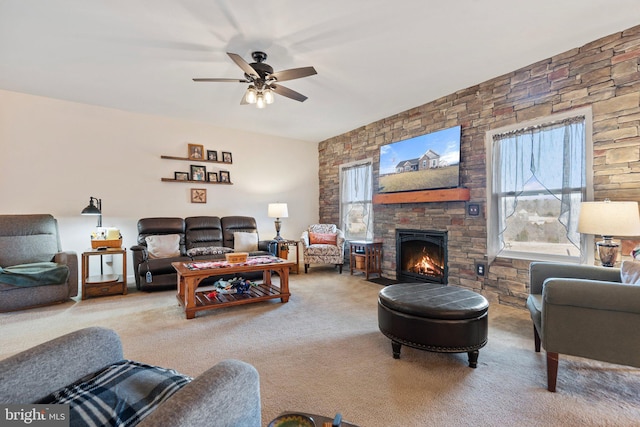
x,y
374,58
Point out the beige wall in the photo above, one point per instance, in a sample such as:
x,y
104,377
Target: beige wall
x,y
55,154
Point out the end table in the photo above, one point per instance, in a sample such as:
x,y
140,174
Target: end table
x,y
366,256
281,252
103,284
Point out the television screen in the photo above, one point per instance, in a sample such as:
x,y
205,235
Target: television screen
x,y
424,162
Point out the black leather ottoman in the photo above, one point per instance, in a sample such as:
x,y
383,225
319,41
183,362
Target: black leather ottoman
x,y
434,317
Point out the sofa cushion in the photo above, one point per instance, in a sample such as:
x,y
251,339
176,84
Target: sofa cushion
x,y
245,242
630,272
163,246
121,394
208,250
323,238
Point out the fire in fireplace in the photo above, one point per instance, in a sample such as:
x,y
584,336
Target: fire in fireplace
x,y
421,255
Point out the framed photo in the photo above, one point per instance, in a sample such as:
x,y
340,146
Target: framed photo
x,y
224,176
212,176
212,155
198,195
196,152
181,176
226,157
198,173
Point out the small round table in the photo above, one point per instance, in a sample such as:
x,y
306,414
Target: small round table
x,y
433,317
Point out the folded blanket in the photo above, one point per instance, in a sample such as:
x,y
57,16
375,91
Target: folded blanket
x,y
34,274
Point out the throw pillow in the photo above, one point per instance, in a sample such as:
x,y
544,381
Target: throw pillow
x,y
245,242
120,395
630,272
163,246
209,250
323,238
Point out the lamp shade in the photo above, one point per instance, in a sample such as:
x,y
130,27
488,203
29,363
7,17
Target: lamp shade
x,y
278,210
609,218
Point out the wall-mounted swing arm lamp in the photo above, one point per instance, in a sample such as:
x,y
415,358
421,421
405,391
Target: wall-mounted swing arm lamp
x,y
92,209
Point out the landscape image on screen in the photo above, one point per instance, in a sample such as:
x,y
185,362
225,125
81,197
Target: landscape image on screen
x,y
424,162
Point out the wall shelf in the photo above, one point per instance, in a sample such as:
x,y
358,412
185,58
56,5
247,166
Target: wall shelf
x,y
195,160
425,196
195,182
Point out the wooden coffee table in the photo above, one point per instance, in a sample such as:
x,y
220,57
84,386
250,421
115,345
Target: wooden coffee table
x,y
191,273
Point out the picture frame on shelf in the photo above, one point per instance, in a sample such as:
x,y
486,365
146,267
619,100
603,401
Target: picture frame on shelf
x,y
226,157
198,173
224,176
212,176
198,195
212,155
196,151
181,176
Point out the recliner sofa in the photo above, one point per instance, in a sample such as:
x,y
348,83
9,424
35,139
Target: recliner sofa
x,y
26,239
194,232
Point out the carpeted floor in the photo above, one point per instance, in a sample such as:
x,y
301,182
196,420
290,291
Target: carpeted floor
x,y
322,353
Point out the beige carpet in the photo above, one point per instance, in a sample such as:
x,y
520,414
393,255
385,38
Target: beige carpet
x,y
322,353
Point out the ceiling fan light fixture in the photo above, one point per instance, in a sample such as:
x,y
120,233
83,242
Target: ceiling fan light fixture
x,y
260,101
268,96
251,95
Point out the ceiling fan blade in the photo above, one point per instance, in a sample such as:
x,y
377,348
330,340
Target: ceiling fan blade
x,y
222,80
294,73
284,91
248,69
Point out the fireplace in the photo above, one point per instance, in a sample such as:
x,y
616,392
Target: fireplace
x,y
421,256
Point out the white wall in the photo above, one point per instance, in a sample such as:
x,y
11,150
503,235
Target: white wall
x,y
55,154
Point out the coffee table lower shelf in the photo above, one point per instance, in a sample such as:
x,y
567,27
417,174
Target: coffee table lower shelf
x,y
261,292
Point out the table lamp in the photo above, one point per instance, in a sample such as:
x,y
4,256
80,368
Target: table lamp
x,y
609,219
277,211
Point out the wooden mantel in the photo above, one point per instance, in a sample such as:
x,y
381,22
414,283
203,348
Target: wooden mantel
x,y
426,196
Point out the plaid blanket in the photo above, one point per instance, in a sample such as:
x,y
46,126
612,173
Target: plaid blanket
x,y
120,395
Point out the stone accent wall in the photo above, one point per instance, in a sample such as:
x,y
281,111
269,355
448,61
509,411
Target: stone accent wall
x,y
603,74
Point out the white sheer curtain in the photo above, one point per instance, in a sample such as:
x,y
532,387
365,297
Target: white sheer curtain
x,y
551,157
356,192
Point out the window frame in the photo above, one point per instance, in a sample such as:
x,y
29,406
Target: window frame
x,y
587,241
342,167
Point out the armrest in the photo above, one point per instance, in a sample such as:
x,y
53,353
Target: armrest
x,y
263,245
340,238
304,238
39,371
139,254
541,271
228,394
592,294
70,259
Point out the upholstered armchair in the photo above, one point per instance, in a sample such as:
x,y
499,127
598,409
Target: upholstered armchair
x,y
86,369
323,244
585,311
31,243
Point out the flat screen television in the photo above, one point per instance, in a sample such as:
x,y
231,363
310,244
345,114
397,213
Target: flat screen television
x,y
425,162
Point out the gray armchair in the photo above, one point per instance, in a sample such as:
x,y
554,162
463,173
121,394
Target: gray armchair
x,y
26,239
228,394
583,311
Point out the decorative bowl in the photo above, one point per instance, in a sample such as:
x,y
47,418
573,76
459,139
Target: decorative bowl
x,y
292,420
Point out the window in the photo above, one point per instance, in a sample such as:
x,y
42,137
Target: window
x,y
539,173
356,208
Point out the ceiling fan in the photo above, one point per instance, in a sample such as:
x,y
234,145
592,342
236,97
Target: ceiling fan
x,y
263,82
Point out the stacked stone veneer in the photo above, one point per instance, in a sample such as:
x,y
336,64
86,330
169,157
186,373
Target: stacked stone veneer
x,y
603,74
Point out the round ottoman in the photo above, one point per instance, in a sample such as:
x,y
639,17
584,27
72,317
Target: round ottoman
x,y
433,317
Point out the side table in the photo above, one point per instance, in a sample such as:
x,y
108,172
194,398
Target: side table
x,y
280,252
103,284
366,256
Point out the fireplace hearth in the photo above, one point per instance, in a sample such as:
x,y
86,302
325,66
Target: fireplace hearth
x,y
421,256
